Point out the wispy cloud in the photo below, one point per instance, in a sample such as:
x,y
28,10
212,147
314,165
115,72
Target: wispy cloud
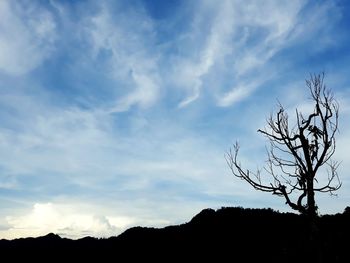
x,y
104,105
126,39
27,36
217,44
238,93
233,52
239,39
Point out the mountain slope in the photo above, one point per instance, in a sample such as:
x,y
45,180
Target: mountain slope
x,y
228,233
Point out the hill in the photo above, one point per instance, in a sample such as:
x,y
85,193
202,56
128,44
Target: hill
x,y
227,233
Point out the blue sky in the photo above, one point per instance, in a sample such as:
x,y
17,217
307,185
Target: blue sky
x,y
119,113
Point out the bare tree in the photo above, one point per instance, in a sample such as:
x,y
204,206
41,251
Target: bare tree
x,y
297,152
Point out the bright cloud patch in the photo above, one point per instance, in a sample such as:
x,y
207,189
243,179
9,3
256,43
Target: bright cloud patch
x,y
64,220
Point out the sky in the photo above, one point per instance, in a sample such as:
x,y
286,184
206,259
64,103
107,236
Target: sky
x,y
119,113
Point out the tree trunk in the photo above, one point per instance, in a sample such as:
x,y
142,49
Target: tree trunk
x,y
311,206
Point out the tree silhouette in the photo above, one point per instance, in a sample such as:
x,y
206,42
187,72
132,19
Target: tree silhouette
x,y
298,151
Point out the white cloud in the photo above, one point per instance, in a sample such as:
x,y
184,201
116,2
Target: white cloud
x,y
145,95
217,45
266,29
239,41
56,140
27,37
59,147
237,94
133,62
239,38
66,220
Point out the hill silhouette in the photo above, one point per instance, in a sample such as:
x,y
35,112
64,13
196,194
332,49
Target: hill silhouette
x,y
232,234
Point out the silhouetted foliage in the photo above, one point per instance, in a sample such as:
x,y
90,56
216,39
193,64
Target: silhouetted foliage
x,y
234,234
298,151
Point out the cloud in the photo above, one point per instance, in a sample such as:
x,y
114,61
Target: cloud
x,y
145,95
216,45
107,123
233,52
74,153
230,40
51,141
132,61
86,149
266,29
65,220
27,37
237,94
7,182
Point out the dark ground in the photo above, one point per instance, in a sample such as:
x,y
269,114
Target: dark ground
x,y
225,235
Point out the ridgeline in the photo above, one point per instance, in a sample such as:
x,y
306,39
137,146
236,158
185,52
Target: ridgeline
x,y
227,234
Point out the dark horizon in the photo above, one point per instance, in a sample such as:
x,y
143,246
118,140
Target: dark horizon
x,y
221,234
